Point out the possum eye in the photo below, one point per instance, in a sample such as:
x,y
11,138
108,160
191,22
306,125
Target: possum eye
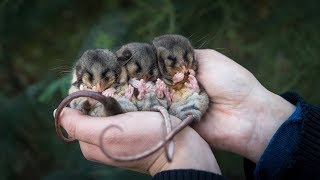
x,y
171,58
90,75
139,68
127,53
104,74
185,56
125,57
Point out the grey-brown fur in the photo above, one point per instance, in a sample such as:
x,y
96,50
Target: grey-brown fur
x,y
174,52
98,66
139,60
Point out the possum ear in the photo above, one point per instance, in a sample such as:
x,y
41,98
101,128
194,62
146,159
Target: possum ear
x,y
124,57
162,53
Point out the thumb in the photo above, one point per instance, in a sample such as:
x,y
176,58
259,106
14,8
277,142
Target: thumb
x,y
68,118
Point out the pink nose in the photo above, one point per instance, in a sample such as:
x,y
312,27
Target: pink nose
x,y
98,87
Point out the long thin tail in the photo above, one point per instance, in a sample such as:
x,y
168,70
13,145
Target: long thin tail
x,y
112,107
150,151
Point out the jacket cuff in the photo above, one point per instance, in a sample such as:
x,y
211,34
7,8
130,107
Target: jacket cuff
x,y
187,174
306,158
304,161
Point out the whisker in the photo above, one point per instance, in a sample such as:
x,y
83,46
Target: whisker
x,y
219,48
206,42
199,40
191,35
202,44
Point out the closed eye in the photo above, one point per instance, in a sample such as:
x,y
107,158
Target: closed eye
x,y
104,74
106,78
172,58
139,68
89,73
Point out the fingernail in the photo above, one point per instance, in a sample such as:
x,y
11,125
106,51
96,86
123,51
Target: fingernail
x,y
54,113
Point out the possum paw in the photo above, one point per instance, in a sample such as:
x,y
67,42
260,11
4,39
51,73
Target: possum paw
x,y
129,92
160,89
142,89
109,92
192,84
178,77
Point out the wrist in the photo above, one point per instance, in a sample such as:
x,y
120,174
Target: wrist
x,y
191,152
271,112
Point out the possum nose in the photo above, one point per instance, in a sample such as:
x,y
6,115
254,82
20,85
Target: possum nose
x,y
99,87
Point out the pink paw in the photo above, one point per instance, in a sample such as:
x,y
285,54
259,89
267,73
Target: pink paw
x,y
169,96
81,87
178,77
160,88
90,100
129,92
134,82
109,92
192,84
192,72
84,87
142,89
95,89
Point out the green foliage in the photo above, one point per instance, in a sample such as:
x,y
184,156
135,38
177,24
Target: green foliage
x,y
60,85
40,40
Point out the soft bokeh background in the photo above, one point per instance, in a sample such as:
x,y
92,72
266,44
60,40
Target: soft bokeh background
x,y
278,41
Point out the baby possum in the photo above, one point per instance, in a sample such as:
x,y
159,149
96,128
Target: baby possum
x,y
96,70
178,66
140,62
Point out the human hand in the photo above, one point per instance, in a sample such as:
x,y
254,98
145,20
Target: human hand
x,y
141,130
243,115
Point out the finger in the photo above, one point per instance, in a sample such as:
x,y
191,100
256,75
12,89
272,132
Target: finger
x,y
201,54
93,153
136,127
82,127
67,118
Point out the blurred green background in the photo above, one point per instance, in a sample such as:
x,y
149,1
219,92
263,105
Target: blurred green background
x,y
278,41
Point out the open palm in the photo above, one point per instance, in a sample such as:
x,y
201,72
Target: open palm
x,y
240,113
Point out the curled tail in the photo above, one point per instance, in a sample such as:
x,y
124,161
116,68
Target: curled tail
x,y
111,107
150,151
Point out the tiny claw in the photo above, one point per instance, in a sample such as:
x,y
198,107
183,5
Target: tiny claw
x,y
109,92
134,82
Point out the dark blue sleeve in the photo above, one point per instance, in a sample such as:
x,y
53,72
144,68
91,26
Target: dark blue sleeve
x,y
294,150
187,174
